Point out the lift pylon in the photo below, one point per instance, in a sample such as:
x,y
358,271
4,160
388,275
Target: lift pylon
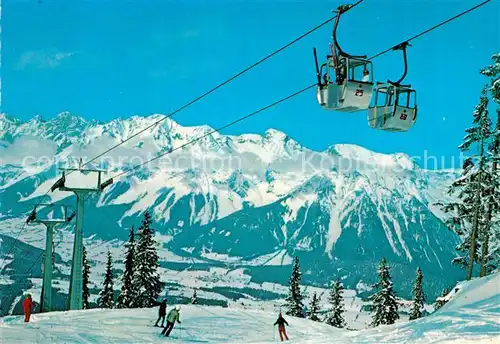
x,y
81,182
48,261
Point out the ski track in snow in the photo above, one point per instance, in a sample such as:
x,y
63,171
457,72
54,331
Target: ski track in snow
x,y
472,315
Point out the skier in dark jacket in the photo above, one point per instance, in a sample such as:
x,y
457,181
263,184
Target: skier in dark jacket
x,y
172,317
281,326
162,311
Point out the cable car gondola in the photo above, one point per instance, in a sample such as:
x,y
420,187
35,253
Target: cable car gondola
x,y
394,106
345,82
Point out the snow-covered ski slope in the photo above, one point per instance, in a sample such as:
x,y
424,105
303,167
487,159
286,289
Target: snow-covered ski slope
x,y
472,315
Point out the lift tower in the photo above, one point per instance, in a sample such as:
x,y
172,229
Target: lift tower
x,y
48,263
82,182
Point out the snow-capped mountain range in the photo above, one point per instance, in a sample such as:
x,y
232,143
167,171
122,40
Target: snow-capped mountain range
x,y
247,202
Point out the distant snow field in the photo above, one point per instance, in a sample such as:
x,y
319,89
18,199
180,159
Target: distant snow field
x,y
471,316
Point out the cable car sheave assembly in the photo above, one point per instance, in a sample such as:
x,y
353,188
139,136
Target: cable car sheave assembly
x,y
345,83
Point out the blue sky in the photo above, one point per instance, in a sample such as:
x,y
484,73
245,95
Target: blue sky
x,y
107,59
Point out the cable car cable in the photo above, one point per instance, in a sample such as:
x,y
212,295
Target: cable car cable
x,y
341,9
28,271
3,266
222,83
402,46
262,60
217,130
307,33
250,67
260,110
431,29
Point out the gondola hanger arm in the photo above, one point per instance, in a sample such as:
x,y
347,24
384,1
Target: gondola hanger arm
x,y
402,46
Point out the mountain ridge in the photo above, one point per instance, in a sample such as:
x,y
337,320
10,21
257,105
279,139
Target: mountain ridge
x,y
246,196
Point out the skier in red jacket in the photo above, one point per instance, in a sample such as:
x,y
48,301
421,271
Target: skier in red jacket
x,y
27,306
281,326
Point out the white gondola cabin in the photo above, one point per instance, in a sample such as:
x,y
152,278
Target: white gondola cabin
x,y
345,81
349,89
393,108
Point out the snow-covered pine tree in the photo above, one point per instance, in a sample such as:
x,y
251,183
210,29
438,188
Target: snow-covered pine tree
x,y
490,254
106,296
85,280
147,283
127,295
489,222
417,307
385,306
194,298
472,189
314,308
478,135
294,301
493,72
461,212
335,315
441,300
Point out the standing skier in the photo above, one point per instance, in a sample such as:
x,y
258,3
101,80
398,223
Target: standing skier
x,y
281,326
27,307
172,317
162,311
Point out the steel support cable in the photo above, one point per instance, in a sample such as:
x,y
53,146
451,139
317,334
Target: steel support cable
x,y
3,265
20,232
258,111
216,130
283,99
307,33
254,65
371,120
189,143
432,28
200,138
294,94
28,271
239,74
60,242
286,98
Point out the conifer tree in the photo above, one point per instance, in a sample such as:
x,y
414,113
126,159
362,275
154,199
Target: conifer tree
x,y
461,212
314,308
489,255
106,296
478,135
294,301
417,307
85,280
194,299
127,296
147,283
473,189
385,306
441,300
493,72
335,315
